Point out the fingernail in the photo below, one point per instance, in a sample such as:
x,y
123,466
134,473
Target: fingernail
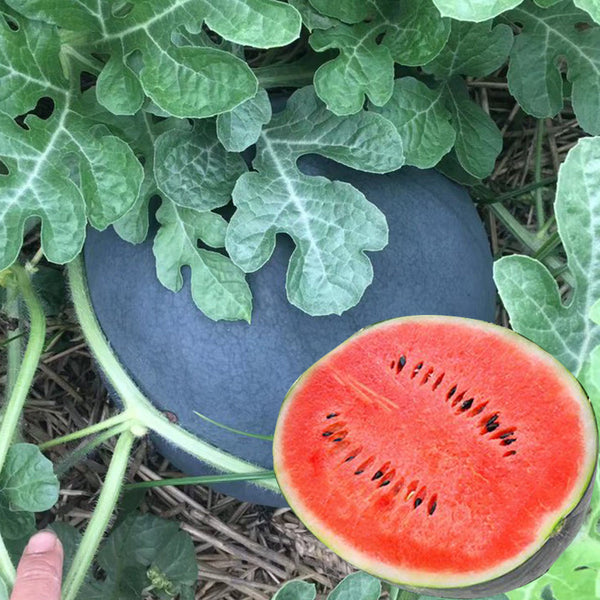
x,y
43,541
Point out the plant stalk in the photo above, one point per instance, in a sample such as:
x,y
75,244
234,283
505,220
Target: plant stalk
x,y
15,347
95,428
33,351
100,518
539,199
530,241
7,569
80,453
201,480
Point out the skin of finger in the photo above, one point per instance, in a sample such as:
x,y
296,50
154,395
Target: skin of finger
x,y
39,575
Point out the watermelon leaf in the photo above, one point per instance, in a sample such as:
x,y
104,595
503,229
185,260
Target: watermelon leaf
x,y
474,49
411,33
474,10
422,120
241,127
433,121
548,36
144,60
27,480
296,590
62,169
357,586
590,6
528,290
331,223
144,551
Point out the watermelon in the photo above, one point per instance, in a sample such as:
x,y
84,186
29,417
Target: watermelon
x,y
447,455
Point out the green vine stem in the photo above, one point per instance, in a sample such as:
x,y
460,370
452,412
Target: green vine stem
x,y
80,453
200,480
7,569
530,240
33,351
122,417
539,199
136,404
100,518
15,348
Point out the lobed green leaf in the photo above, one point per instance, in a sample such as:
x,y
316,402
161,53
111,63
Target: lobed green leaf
x,y
411,33
331,223
62,170
529,291
240,128
474,10
145,61
473,49
422,120
548,36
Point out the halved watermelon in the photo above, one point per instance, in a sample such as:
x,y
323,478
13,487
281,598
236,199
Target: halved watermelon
x,y
447,455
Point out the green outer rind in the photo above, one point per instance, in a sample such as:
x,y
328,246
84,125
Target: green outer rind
x,y
558,540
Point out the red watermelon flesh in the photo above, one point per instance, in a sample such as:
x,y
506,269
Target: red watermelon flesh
x,y
435,452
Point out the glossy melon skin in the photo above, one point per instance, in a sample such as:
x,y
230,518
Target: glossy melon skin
x,y
437,261
344,418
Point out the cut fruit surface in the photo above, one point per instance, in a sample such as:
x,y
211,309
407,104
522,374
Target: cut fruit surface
x,y
438,453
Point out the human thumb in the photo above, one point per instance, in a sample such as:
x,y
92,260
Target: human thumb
x,y
39,572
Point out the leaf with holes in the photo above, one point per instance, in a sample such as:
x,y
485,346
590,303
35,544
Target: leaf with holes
x,y
27,480
474,10
535,74
144,61
331,223
410,33
474,49
422,120
63,169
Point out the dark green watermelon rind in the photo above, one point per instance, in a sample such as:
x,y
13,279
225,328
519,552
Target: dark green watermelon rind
x,y
559,538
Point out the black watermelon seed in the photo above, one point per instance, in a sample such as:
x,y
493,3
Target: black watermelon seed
x,y
384,483
359,472
452,392
466,405
328,433
492,420
505,435
433,507
338,439
492,426
377,475
418,502
509,441
331,415
350,458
